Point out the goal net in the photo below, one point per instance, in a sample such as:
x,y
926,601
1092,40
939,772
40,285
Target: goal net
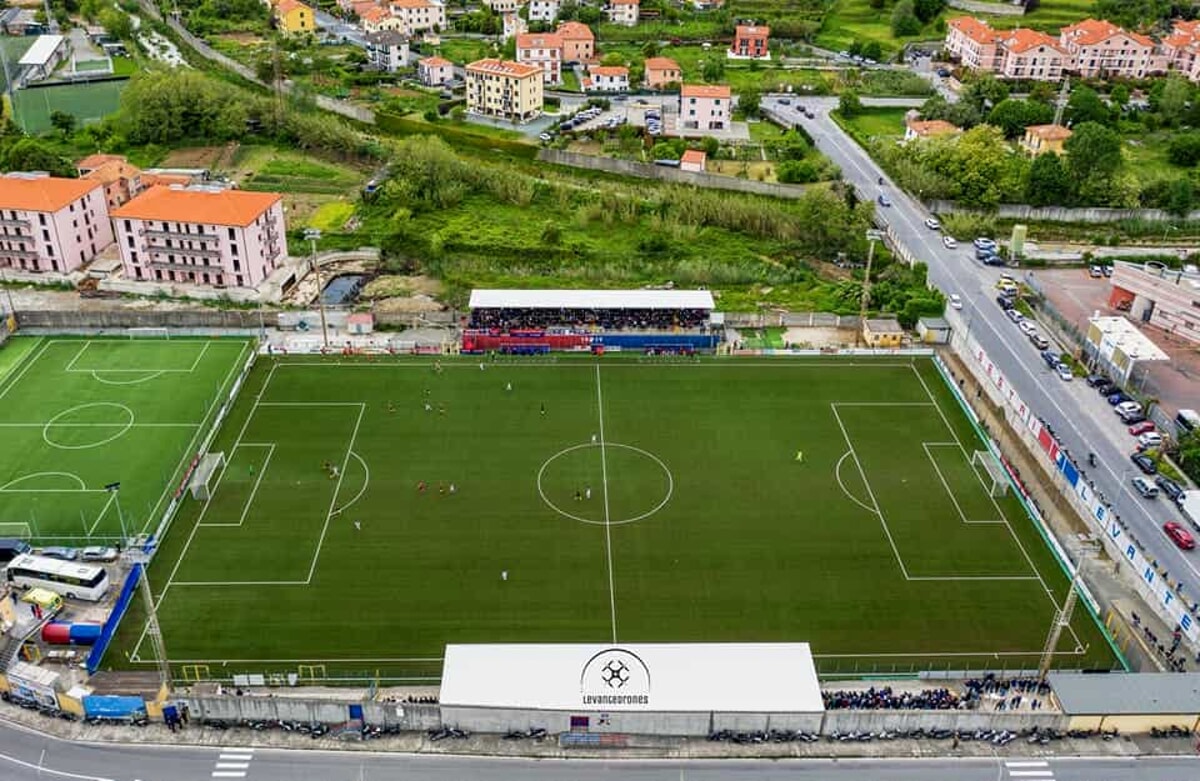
x,y
17,529
994,477
148,333
201,483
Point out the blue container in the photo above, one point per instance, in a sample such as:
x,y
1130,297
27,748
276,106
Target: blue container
x,y
85,634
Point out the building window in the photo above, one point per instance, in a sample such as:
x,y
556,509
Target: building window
x,y
133,257
128,227
232,236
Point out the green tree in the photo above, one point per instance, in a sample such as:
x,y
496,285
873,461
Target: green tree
x,y
714,68
650,49
1093,163
1181,197
984,91
1134,13
1013,116
798,171
872,50
711,146
1119,95
590,14
117,23
1184,150
1085,105
1048,184
904,20
612,58
63,122
664,151
749,101
926,10
849,105
1174,99
1188,454
31,154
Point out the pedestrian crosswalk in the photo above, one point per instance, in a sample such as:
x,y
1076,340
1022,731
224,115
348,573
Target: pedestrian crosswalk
x,y
233,763
1029,768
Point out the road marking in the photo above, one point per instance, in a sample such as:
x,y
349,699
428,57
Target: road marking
x,y
223,768
42,770
229,774
1031,773
1009,763
236,757
232,765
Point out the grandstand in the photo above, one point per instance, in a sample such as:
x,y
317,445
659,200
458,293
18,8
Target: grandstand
x,y
540,321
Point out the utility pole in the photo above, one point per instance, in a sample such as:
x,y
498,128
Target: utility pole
x,y
152,628
872,237
313,235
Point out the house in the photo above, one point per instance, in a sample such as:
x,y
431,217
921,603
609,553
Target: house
x,y
927,128
1182,47
1029,54
20,21
705,106
543,10
502,6
750,42
662,72
48,223
294,18
578,43
419,15
606,78
121,180
387,50
513,26
543,51
693,160
360,8
623,12
1040,139
933,330
435,71
882,333
504,89
1099,48
44,56
972,42
376,19
201,236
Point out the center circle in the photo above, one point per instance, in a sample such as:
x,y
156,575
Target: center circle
x,y
96,418
619,477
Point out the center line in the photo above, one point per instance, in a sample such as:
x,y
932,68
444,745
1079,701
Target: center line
x,y
612,595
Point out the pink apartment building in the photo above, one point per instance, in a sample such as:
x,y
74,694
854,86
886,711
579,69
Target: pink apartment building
x,y
1029,54
51,224
225,238
435,71
578,42
1182,47
705,106
1098,47
542,50
973,42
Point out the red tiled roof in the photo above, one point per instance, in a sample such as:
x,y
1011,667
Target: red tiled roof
x,y
225,207
608,70
705,91
435,62
42,193
661,63
97,160
694,156
1091,31
932,127
575,30
503,68
1023,39
752,31
539,41
973,28
1049,132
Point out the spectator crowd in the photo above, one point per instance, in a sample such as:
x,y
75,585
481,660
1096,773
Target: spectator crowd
x,y
505,320
885,698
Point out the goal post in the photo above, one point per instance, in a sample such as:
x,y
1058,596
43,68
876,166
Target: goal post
x,y
201,484
994,477
148,333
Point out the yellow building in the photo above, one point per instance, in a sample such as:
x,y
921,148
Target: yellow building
x,y
1040,139
293,17
504,89
882,333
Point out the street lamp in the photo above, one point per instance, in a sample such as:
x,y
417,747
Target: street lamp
x,y
872,237
115,490
313,235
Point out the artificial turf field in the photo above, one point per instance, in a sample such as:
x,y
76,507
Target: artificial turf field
x,y
79,414
881,546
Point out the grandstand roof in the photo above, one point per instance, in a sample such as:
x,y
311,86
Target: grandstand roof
x,y
591,299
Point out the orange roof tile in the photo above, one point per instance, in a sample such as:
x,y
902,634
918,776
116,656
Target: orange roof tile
x,y
661,63
932,127
1091,31
412,3
693,156
97,160
374,14
224,207
287,6
113,171
435,62
1049,132
503,68
42,193
539,41
752,31
151,180
1022,39
973,28
705,91
608,70
575,30
625,2
363,6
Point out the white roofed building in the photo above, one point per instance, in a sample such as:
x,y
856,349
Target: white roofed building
x,y
44,56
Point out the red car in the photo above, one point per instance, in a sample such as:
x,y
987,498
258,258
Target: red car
x,y
1145,427
1179,535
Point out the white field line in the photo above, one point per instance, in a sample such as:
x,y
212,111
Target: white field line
x,y
361,491
995,504
871,493
837,472
305,661
71,366
98,425
612,594
28,364
36,344
135,381
362,408
250,500
103,511
954,499
199,357
82,350
22,478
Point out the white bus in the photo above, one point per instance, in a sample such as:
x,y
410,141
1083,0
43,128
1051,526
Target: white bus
x,y
73,581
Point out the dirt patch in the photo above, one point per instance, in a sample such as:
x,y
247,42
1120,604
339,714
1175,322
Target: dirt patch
x,y
391,286
194,157
243,39
300,206
406,305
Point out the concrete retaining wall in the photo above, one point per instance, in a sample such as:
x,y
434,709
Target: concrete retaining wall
x,y
666,174
891,720
504,719
407,716
1019,211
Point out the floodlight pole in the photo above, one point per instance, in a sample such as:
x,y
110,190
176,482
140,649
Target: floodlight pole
x,y
1062,617
115,490
152,627
313,235
872,237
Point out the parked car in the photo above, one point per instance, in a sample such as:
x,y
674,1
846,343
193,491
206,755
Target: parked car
x,y
98,553
933,224
1095,380
59,552
1150,439
1014,315
1004,302
984,252
785,101
1039,341
546,138
884,200
1118,397
1169,487
943,73
1107,270
1141,428
1124,406
984,243
1129,418
1064,372
1094,272
1027,327
1147,489
1179,535
949,243
1107,388
1051,358
1144,463
955,301
993,260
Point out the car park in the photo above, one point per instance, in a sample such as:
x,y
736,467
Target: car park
x,y
59,552
955,301
1144,463
1150,439
1141,428
98,553
1144,487
933,224
1014,315
949,243
1179,535
1169,487
1064,372
1039,341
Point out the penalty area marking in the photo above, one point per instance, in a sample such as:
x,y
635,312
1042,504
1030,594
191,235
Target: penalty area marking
x,y
647,514
837,472
361,491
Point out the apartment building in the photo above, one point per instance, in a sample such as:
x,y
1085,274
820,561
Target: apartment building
x,y
201,236
513,25
623,12
419,15
543,10
121,180
504,89
973,42
1181,49
661,71
579,45
606,78
1029,54
1162,297
435,71
751,42
294,18
48,223
387,50
376,20
1100,48
705,106
543,51
502,6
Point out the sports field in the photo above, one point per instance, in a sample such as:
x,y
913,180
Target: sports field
x,y
78,414
88,102
823,500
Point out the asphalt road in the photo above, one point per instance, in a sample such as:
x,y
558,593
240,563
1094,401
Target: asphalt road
x,y
32,756
1083,421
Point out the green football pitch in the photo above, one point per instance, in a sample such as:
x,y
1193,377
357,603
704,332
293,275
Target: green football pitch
x,y
77,415
370,512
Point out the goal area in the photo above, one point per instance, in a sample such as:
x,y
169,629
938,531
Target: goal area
x,y
148,333
994,476
202,477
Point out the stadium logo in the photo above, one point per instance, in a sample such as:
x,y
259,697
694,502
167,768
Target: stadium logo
x,y
615,677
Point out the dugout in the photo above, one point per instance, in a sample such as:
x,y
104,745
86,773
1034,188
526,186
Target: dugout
x,y
640,689
1132,703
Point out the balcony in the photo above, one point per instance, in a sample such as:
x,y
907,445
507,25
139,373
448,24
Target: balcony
x,y
18,253
159,234
155,249
179,266
15,224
